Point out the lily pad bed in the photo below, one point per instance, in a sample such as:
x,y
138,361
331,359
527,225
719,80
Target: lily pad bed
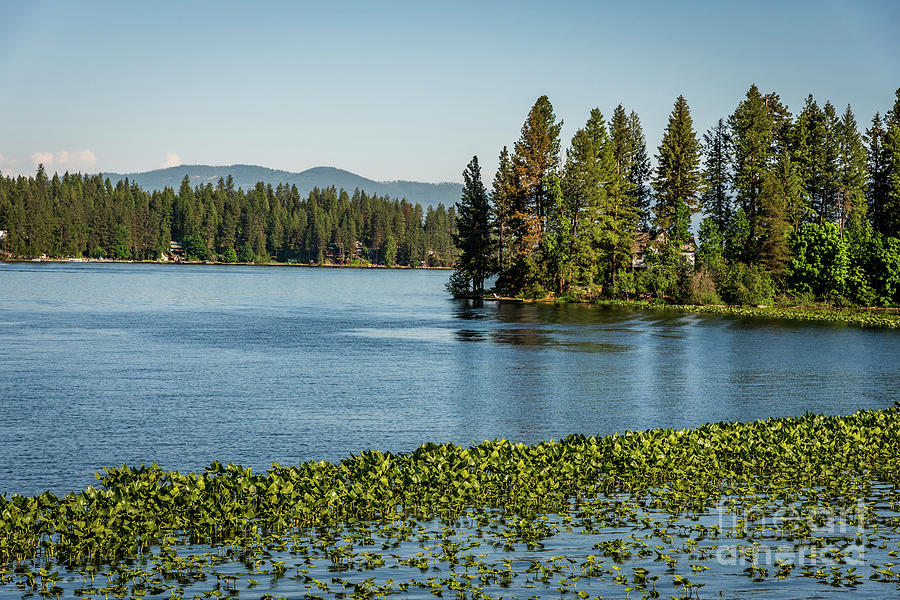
x,y
794,507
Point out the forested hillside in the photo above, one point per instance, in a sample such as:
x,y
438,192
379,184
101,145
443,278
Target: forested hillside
x,y
89,216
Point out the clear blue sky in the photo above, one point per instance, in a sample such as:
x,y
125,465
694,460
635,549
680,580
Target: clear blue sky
x,y
403,90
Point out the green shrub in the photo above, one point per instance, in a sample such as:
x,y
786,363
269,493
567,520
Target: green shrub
x,y
660,277
625,284
572,295
858,287
887,271
702,288
820,262
458,284
195,247
747,285
245,253
534,291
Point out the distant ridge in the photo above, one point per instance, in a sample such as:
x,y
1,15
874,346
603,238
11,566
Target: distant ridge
x,y
246,176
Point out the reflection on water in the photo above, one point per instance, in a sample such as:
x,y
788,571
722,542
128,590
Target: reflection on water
x,y
183,365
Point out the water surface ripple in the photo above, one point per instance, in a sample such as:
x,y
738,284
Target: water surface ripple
x,y
102,364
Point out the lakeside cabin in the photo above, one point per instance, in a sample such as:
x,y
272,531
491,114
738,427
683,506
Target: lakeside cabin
x,y
176,252
646,243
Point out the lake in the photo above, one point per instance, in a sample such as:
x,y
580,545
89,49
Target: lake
x,y
104,364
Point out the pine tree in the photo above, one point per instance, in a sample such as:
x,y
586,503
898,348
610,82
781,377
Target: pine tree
x,y
851,180
90,216
877,192
807,138
501,204
6,216
782,124
780,191
639,175
586,175
681,226
622,144
830,207
559,242
815,149
711,248
474,229
891,212
621,158
536,155
182,219
626,192
753,133
737,236
39,215
677,176
717,148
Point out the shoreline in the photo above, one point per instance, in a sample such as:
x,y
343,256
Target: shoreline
x,y
211,263
870,317
875,317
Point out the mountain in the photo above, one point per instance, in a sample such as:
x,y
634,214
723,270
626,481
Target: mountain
x,y
246,176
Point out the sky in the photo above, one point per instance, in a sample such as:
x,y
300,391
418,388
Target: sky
x,y
403,90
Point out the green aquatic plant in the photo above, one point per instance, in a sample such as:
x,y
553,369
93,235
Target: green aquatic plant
x,y
643,505
876,319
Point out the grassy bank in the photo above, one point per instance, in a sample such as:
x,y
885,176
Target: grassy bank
x,y
861,317
873,317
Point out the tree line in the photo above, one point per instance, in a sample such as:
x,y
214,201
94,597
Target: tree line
x,y
89,216
798,207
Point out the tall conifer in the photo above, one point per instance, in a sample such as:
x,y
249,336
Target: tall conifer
x,y
891,212
501,205
877,191
851,180
717,149
473,236
639,176
779,193
831,202
753,133
587,177
677,177
631,171
536,155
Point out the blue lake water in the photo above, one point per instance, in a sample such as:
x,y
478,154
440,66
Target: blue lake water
x,y
102,364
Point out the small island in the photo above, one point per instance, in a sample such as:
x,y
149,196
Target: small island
x,y
796,214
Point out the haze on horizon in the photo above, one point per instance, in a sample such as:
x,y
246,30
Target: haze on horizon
x,y
408,91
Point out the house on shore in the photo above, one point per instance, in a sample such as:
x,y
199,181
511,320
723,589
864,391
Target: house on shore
x,y
176,252
646,243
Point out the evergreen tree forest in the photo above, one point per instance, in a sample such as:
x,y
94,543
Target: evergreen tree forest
x,y
786,207
88,216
